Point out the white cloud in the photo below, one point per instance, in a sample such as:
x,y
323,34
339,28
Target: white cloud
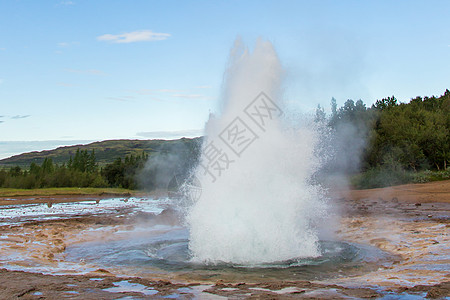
x,y
142,92
116,99
10,148
168,91
174,93
190,96
203,87
16,117
171,134
67,44
91,71
134,36
1,81
121,99
2,49
20,117
65,84
153,91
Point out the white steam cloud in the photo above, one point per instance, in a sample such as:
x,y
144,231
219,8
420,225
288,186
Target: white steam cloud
x,y
258,203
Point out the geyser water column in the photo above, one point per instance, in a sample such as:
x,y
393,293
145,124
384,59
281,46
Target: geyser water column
x,y
258,204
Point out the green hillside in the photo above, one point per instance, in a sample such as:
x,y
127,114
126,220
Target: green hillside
x,y
106,151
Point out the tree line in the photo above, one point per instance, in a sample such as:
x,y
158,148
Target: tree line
x,y
82,170
397,142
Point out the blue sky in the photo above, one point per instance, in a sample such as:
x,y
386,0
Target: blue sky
x,y
74,71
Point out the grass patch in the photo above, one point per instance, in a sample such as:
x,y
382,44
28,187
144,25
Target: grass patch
x,y
378,177
427,176
7,192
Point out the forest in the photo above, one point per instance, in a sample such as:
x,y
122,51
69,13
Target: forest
x,y
80,171
146,169
397,142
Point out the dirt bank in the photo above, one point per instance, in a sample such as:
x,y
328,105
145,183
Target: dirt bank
x,y
438,191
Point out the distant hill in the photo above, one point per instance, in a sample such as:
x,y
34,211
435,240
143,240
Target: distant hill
x,y
105,151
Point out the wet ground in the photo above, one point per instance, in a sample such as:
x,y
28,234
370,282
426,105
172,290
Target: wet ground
x,y
388,247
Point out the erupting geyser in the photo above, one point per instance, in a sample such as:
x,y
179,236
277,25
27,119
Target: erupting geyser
x,y
258,202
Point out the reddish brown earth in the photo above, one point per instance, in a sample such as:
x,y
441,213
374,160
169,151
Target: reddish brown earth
x,y
438,191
